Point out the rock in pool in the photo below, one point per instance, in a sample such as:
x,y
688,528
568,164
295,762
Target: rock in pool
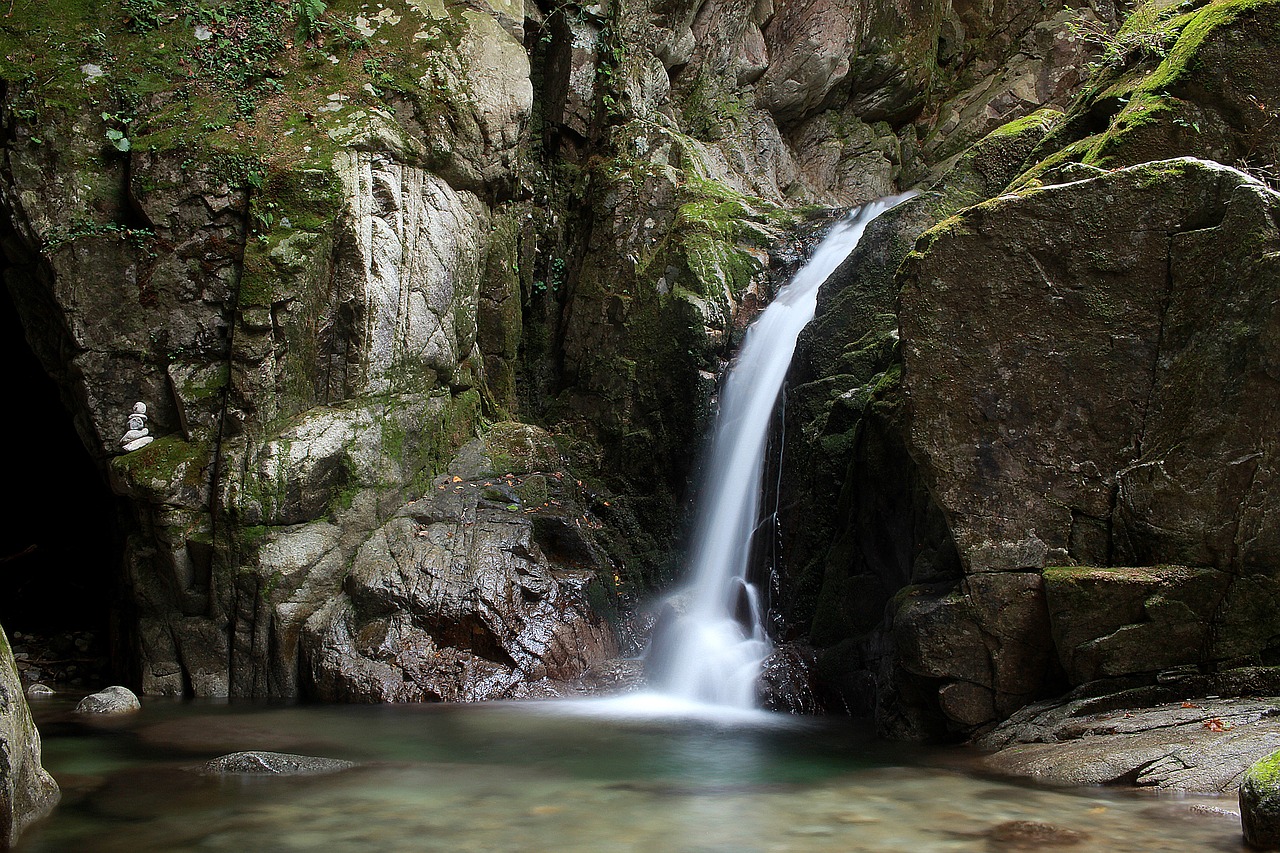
x,y
39,691
110,700
274,764
1031,835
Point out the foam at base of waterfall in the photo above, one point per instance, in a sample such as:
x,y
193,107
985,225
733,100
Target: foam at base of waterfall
x,y
658,708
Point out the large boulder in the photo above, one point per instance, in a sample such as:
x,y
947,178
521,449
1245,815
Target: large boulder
x,y
1091,373
110,701
27,792
485,588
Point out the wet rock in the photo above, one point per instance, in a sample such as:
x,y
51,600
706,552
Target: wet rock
x,y
38,690
1260,803
786,681
1031,835
27,792
110,701
273,764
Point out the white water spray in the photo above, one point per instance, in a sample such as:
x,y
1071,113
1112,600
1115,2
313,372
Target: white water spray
x,y
714,650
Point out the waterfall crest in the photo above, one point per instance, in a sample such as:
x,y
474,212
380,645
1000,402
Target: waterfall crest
x,y
713,651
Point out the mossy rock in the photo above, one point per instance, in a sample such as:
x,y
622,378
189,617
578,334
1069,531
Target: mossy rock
x,y
1260,803
516,448
168,470
1210,95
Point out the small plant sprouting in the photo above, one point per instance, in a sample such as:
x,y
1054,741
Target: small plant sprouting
x,y
1117,49
307,15
117,135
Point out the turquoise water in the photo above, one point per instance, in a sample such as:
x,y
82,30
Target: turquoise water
x,y
524,777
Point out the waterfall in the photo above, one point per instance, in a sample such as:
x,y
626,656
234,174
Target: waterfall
x,y
713,651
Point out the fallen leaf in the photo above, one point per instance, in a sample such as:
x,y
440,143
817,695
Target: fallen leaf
x,y
1190,705
457,479
1217,725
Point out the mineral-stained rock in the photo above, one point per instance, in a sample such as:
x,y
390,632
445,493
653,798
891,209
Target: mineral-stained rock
x,y
109,701
1032,835
1260,803
27,792
273,764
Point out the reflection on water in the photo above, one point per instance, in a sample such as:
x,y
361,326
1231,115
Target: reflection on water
x,y
516,777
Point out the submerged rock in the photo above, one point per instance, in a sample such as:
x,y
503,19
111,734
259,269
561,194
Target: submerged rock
x,y
1260,803
256,763
1032,835
110,700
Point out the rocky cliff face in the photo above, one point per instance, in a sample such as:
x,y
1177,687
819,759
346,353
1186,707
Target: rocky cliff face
x,y
328,252
1056,415
349,260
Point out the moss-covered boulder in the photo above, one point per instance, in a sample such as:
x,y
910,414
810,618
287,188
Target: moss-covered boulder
x,y
27,792
1179,82
1260,804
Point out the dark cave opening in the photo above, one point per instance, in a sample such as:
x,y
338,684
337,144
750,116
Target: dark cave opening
x,y
60,542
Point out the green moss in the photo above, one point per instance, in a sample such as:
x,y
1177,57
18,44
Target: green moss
x,y
709,106
1193,29
168,460
1266,772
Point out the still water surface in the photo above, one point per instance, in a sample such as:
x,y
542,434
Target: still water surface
x,y
527,777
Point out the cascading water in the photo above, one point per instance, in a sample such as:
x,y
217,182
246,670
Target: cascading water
x,y
713,651
706,661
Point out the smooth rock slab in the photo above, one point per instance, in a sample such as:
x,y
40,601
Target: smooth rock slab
x,y
257,763
110,700
1201,745
1260,803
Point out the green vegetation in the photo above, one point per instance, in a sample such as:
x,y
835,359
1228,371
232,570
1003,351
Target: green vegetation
x,y
1266,772
168,462
253,78
1144,34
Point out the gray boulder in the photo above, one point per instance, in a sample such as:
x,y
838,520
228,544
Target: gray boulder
x,y
1260,803
110,700
27,792
257,763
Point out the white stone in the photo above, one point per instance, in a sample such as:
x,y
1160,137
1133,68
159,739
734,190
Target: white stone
x,y
137,435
